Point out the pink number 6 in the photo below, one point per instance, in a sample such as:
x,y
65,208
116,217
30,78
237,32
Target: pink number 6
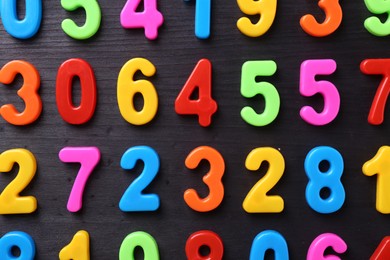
x,y
321,243
309,87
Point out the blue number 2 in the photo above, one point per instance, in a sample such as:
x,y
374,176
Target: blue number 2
x,y
21,29
133,199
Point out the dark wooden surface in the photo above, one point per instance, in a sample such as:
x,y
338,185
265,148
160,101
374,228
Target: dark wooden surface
x,y
175,54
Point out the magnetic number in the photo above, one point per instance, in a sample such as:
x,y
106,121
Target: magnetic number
x,y
127,88
309,87
321,243
150,19
141,239
21,29
22,241
334,16
318,179
267,11
251,88
373,24
202,18
92,22
257,200
78,248
10,201
133,199
378,67
204,238
267,240
28,92
204,106
72,114
383,250
213,179
378,165
88,157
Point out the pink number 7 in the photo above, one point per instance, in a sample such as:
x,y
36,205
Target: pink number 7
x,y
88,157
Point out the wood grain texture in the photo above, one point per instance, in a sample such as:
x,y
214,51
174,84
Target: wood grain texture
x,y
175,54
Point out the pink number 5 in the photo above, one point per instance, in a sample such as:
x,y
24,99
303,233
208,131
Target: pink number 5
x,y
88,157
309,87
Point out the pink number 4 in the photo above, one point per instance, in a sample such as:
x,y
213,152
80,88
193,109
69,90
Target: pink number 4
x,y
88,157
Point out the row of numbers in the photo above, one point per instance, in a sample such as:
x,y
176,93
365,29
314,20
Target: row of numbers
x,y
200,79
150,19
79,247
256,201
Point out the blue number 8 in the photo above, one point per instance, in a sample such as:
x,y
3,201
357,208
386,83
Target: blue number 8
x,y
318,180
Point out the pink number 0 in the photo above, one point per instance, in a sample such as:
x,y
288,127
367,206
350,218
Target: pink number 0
x,y
88,157
309,87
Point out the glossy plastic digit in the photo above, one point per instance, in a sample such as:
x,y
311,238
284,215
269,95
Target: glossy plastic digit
x,y
319,180
382,252
204,106
267,11
213,179
28,92
150,19
321,243
379,165
309,87
10,200
204,238
76,115
378,67
143,240
202,18
18,239
269,240
257,200
373,24
133,199
334,16
251,88
88,157
78,248
92,22
21,29
127,88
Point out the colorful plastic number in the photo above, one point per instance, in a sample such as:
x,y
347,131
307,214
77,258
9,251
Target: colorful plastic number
x,y
202,18
78,248
10,201
267,11
319,180
309,87
373,24
150,19
213,179
141,239
28,92
251,88
127,88
266,240
334,16
204,106
72,114
133,199
22,241
321,243
257,200
92,22
378,165
382,252
88,157
21,29
204,238
378,67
